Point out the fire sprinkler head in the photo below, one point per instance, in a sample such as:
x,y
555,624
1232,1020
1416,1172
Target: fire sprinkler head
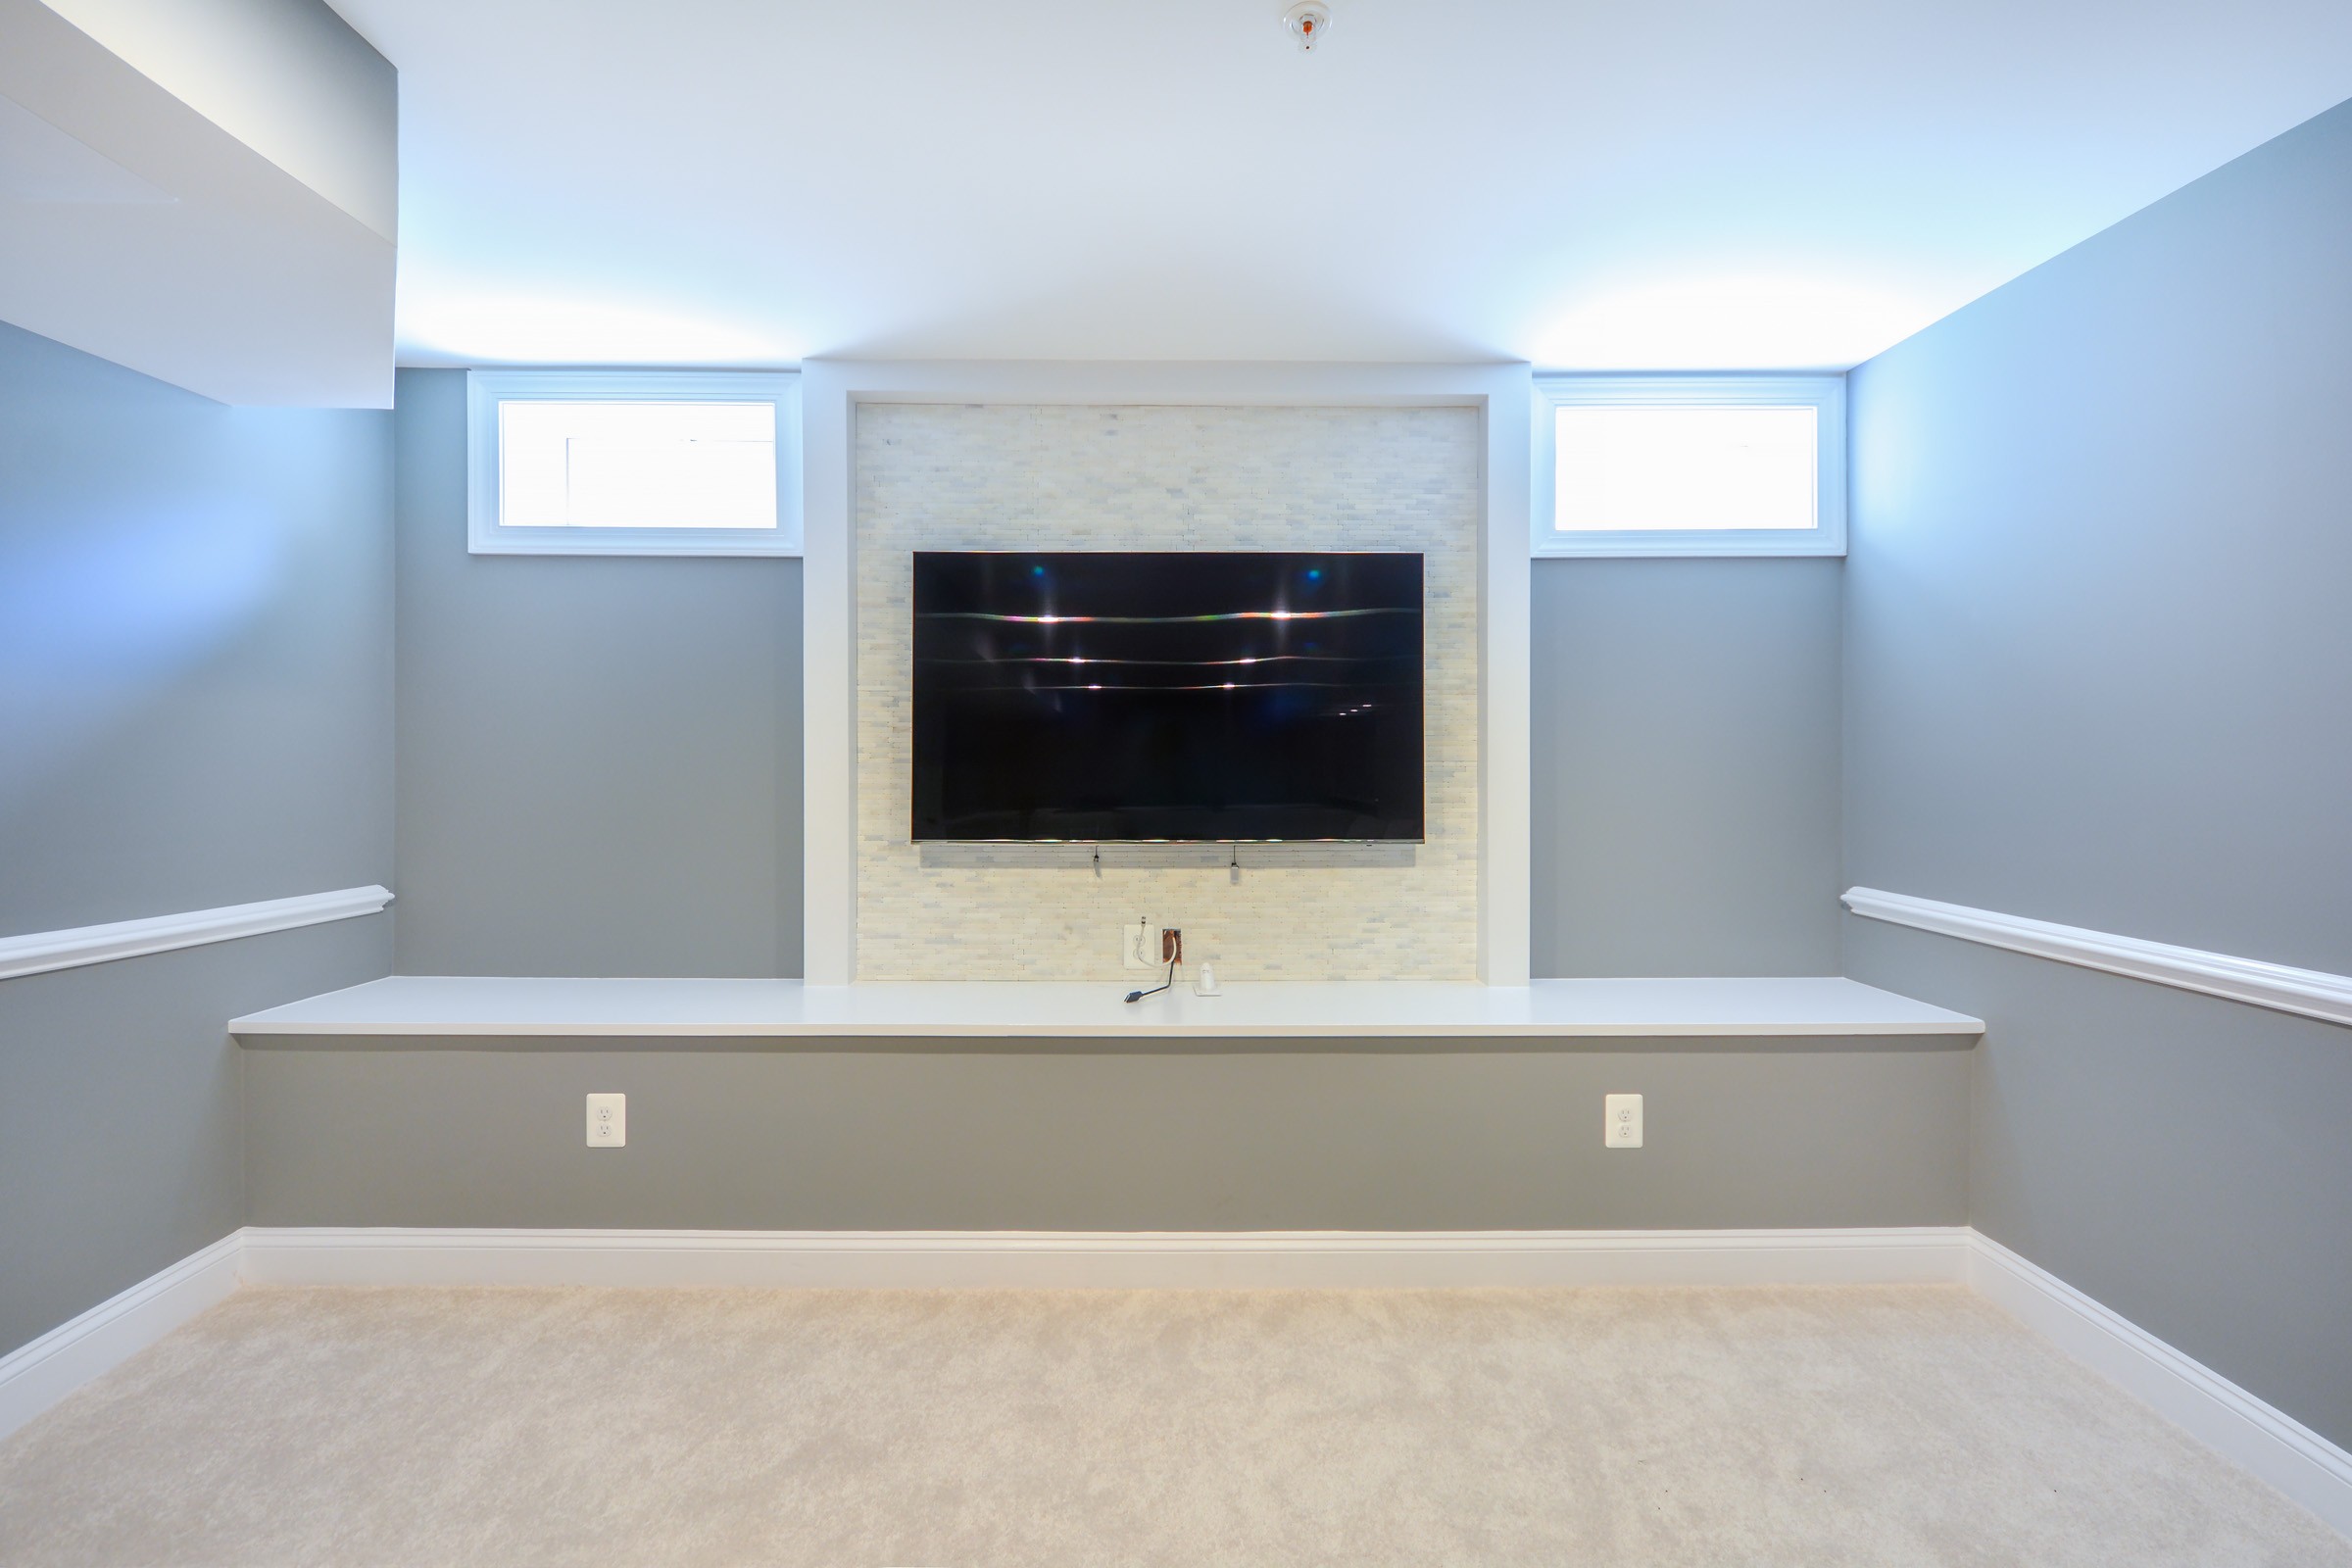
x,y
1307,22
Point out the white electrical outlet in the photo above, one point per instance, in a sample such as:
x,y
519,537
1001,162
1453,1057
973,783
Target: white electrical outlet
x,y
1621,1121
608,1122
1139,945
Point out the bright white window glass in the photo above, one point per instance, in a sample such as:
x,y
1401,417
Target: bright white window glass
x,y
1659,468
617,464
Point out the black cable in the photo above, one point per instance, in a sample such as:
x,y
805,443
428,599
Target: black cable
x,y
1138,996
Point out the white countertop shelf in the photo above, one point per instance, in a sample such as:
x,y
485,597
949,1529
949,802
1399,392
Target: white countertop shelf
x,y
406,1006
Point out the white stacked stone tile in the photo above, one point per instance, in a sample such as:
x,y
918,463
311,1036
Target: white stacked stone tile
x,y
1017,476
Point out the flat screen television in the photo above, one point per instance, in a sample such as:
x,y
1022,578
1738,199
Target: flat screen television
x,y
1195,696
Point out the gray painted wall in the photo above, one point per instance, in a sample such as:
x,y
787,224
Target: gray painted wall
x,y
599,760
121,1122
195,634
2099,667
1049,1138
1685,766
195,709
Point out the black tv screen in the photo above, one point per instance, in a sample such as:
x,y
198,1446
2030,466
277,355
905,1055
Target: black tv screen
x,y
1193,696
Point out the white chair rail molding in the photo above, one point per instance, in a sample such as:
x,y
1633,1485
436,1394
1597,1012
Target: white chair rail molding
x,y
40,951
2313,993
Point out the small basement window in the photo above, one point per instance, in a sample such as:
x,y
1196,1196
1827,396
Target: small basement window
x,y
633,462
1690,466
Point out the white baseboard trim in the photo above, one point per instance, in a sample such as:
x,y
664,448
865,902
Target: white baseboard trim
x,y
2266,1442
35,1376
1064,1259
40,952
2248,1432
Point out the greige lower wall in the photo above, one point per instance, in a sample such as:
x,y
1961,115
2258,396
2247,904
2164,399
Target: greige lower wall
x,y
1250,1138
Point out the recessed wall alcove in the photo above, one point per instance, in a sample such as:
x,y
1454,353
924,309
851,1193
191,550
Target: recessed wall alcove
x,y
1061,476
976,457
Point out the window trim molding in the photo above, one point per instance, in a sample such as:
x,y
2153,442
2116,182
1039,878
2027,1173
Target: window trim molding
x,y
1826,393
485,390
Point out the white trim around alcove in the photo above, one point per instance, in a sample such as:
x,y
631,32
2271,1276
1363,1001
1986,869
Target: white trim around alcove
x,y
832,388
2242,1428
2313,993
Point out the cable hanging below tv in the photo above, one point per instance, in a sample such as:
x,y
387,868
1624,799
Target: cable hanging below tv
x,y
1168,697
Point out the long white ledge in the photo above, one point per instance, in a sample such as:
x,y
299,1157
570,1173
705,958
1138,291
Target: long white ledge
x,y
42,950
2314,993
414,1005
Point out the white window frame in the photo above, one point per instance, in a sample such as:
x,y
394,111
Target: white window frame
x,y
485,390
1826,394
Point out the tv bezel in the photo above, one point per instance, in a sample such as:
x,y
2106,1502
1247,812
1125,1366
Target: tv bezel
x,y
1421,838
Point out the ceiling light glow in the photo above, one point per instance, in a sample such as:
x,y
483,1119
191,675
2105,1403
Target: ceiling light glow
x,y
534,330
1731,324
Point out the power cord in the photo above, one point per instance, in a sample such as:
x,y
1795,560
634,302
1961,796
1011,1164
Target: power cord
x,y
1138,996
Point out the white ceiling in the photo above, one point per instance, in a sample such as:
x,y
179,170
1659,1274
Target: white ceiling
x,y
1582,184
180,210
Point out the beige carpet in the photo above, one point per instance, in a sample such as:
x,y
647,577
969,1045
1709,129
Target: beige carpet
x,y
1880,1425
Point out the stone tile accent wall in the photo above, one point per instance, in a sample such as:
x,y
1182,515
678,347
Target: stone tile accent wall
x,y
1018,476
